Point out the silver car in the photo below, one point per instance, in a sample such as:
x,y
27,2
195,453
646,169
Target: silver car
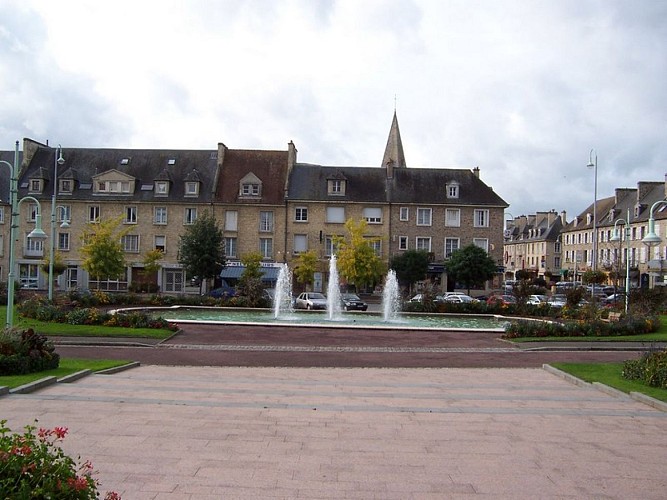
x,y
310,300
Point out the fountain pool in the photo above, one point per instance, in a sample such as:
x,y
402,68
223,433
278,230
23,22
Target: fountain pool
x,y
403,321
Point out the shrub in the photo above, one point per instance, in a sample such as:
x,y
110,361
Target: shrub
x,y
26,352
651,368
33,465
628,326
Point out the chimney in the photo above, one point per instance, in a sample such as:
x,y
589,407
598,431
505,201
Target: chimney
x,y
643,188
476,172
291,154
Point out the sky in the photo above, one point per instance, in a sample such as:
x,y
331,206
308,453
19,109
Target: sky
x,y
529,91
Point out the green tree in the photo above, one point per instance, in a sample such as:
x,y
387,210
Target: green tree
x,y
305,267
202,249
471,266
410,267
250,283
102,249
357,261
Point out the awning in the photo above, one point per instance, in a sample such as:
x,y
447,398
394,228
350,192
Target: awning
x,y
235,272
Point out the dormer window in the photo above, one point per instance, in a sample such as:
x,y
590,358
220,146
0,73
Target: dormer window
x,y
113,186
250,186
36,185
161,188
191,188
336,187
452,189
65,185
113,182
589,218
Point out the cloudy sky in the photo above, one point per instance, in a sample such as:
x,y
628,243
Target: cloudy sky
x,y
524,89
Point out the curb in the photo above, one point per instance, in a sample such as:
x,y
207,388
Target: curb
x,y
118,369
72,377
33,386
637,396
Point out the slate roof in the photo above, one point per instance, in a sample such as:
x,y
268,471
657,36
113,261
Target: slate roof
x,y
270,167
309,183
145,165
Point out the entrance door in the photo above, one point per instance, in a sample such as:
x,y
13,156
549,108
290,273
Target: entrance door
x,y
72,278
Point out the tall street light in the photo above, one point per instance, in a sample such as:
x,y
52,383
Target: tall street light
x,y
593,163
36,233
652,239
617,238
58,160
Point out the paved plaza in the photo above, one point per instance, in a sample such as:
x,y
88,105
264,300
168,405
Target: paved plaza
x,y
197,432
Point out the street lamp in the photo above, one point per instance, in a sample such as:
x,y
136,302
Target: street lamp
x,y
594,165
617,238
35,233
58,160
652,239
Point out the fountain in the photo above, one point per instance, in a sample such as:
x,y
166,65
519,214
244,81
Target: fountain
x,y
333,291
282,300
391,300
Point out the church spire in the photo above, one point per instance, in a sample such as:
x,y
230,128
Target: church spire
x,y
393,152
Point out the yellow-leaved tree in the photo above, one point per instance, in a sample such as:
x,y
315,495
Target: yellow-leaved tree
x,y
357,260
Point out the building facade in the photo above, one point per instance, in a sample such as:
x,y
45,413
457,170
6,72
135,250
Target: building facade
x,y
264,201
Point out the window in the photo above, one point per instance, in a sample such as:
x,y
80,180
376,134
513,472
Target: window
x,y
28,275
64,213
404,213
336,187
451,245
173,280
130,215
372,215
113,186
32,212
65,185
231,220
191,188
329,247
93,213
266,222
230,247
422,243
34,247
130,243
482,243
376,245
2,215
160,243
423,216
300,243
161,188
250,189
2,248
301,214
453,217
190,216
35,185
336,215
266,247
159,215
452,190
481,218
402,242
63,241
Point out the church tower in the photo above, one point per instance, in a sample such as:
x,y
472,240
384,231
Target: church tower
x,y
393,152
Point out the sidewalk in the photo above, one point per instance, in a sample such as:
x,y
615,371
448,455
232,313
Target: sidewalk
x,y
163,433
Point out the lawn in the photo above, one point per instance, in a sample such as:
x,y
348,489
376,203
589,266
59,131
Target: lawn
x,y
67,367
67,330
610,374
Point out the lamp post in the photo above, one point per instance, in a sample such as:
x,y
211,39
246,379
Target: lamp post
x,y
593,163
617,238
58,160
652,239
35,233
507,236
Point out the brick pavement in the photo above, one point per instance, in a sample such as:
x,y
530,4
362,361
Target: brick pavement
x,y
167,432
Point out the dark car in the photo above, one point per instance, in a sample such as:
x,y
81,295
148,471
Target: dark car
x,y
352,302
224,290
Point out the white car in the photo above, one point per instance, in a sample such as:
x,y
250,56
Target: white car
x,y
536,300
310,300
459,298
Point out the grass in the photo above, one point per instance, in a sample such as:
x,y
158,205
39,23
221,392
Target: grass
x,y
67,367
67,330
610,374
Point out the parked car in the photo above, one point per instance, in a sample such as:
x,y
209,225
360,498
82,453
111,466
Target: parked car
x,y
310,300
536,300
557,300
352,302
224,290
420,298
459,298
501,299
615,298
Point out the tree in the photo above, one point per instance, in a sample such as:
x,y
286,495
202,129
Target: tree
x,y
410,267
305,267
102,249
250,283
357,261
471,266
202,251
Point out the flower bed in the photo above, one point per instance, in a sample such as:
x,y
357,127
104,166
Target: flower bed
x,y
26,352
631,325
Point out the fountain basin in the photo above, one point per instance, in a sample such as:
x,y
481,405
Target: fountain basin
x,y
320,319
